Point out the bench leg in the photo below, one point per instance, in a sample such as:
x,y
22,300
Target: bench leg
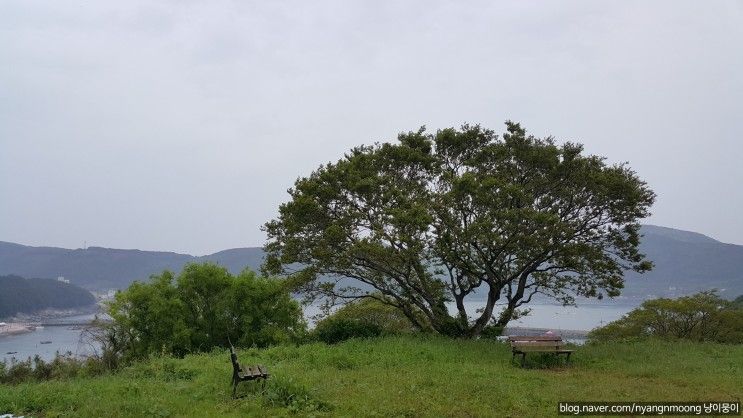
x,y
567,360
523,359
234,388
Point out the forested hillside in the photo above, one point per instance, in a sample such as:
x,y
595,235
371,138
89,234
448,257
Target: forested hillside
x,y
99,268
19,295
685,263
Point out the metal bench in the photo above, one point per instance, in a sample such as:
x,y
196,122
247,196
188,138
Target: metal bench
x,y
242,373
522,344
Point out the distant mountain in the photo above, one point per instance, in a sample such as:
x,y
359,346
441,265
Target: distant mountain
x,y
663,232
19,295
99,268
685,262
237,259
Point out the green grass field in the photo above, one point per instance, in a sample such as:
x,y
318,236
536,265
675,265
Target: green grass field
x,y
395,376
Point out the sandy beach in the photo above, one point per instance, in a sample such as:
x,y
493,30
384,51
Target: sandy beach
x,y
14,328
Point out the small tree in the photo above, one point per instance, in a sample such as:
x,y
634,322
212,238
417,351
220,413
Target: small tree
x,y
201,309
435,218
700,317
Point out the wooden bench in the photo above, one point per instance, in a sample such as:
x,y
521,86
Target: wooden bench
x,y
242,373
522,344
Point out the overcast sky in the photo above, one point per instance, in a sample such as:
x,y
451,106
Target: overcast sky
x,y
179,126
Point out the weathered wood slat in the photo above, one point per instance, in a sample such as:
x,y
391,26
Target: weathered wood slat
x,y
538,343
534,338
541,350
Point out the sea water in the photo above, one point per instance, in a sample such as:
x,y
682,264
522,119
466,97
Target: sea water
x,y
63,339
66,339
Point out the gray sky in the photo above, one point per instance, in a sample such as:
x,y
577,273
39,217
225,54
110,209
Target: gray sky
x,y
179,125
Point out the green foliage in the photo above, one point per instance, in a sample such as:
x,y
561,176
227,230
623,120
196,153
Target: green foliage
x,y
292,395
412,375
19,295
204,307
700,317
738,302
365,318
435,217
492,332
62,366
335,330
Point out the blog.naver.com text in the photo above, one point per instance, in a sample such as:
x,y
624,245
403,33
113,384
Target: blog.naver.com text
x,y
725,408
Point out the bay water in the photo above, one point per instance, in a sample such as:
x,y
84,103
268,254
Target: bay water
x,y
66,339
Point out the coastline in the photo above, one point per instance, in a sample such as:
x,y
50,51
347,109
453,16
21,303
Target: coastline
x,y
23,323
15,328
565,333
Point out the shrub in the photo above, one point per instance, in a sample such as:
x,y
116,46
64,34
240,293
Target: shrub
x,y
700,317
334,330
738,302
62,366
17,372
492,332
295,397
203,308
364,318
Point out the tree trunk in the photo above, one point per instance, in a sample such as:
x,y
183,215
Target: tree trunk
x,y
507,313
462,311
482,321
504,317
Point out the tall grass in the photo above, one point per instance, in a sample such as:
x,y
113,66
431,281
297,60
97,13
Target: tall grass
x,y
408,376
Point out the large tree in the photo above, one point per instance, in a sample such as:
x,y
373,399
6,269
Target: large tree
x,y
434,218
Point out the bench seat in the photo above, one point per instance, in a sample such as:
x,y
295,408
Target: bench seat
x,y
243,373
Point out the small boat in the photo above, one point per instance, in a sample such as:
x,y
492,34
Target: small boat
x,y
45,342
12,352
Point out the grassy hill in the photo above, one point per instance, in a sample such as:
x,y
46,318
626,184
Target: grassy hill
x,y
395,376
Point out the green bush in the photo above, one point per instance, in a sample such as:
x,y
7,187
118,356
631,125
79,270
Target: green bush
x,y
492,332
17,372
62,366
700,317
295,397
738,302
335,330
204,307
364,318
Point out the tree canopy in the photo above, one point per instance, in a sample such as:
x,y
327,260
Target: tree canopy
x,y
434,218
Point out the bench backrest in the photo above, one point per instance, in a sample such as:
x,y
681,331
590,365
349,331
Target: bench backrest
x,y
534,338
233,358
535,341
